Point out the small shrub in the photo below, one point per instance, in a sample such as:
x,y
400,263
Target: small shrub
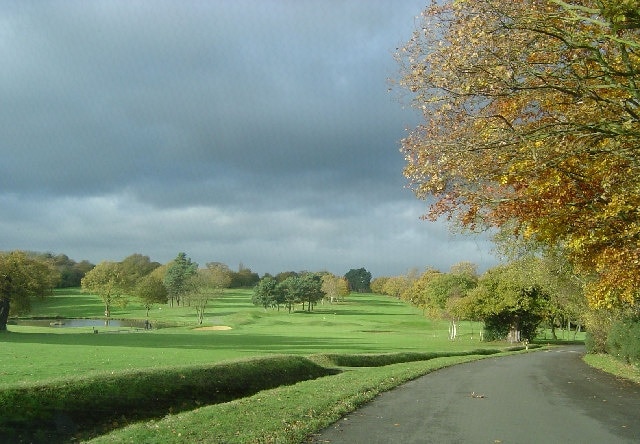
x,y
598,323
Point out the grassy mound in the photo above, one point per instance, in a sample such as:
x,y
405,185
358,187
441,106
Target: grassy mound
x,y
57,411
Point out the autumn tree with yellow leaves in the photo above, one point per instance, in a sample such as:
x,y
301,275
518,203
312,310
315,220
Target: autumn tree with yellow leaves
x,y
532,120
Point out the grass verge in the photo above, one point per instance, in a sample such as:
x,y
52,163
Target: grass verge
x,y
609,364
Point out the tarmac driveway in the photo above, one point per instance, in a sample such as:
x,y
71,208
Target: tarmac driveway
x,y
543,397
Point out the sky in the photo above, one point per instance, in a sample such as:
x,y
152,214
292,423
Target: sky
x,y
260,133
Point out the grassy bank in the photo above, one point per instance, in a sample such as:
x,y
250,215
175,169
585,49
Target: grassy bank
x,y
614,366
288,414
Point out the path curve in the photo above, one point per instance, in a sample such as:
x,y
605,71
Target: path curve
x,y
544,397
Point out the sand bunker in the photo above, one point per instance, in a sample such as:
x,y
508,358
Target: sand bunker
x,y
214,328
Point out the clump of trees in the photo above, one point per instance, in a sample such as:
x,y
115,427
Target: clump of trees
x,y
292,288
178,282
243,278
359,280
71,272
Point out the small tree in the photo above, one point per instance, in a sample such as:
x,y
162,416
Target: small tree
x,y
207,284
335,288
266,292
311,289
395,286
443,291
511,303
136,267
290,288
150,290
413,291
177,276
108,282
343,288
377,284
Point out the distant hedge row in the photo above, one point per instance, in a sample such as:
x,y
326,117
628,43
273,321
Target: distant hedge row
x,y
379,360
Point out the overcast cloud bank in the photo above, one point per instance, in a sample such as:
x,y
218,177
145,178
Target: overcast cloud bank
x,y
259,132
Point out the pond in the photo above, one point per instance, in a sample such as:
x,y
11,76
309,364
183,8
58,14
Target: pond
x,y
66,323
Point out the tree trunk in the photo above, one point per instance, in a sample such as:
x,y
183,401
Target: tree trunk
x,y
453,330
5,304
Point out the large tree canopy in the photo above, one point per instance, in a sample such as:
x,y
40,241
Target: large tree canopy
x,y
532,117
22,277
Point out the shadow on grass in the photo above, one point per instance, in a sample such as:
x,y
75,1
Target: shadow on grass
x,y
205,341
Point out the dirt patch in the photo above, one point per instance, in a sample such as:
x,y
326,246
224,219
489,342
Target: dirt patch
x,y
214,328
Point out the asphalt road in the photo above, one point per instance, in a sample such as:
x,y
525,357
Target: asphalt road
x,y
543,397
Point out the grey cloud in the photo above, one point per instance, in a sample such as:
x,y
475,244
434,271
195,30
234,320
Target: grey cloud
x,y
144,126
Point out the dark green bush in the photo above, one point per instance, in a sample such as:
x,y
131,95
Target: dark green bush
x,y
623,340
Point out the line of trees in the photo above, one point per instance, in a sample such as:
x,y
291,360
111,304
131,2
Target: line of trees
x,y
24,275
180,282
513,300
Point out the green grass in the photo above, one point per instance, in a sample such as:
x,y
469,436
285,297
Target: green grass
x,y
363,324
123,370
614,366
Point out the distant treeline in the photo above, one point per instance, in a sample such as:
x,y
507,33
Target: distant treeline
x,y
71,272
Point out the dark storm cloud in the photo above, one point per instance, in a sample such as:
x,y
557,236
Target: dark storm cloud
x,y
244,127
